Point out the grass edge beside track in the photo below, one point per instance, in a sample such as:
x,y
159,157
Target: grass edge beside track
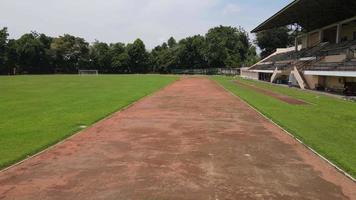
x,y
324,156
36,152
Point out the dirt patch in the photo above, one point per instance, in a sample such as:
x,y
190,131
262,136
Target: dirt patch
x,y
191,140
281,97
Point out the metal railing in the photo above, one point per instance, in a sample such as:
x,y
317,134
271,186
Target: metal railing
x,y
335,66
208,71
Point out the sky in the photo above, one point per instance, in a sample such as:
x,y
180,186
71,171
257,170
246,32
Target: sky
x,y
153,21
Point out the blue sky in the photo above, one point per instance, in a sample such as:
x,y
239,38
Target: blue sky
x,y
154,21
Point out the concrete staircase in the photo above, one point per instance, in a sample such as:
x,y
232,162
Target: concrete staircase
x,y
274,75
300,79
300,66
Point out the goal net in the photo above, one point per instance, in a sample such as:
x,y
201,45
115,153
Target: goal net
x,y
88,72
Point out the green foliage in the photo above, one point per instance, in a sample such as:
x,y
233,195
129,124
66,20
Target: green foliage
x,y
270,40
70,53
172,42
35,53
163,58
29,50
251,57
38,111
227,46
119,58
138,57
222,46
3,48
191,52
327,125
10,57
100,56
3,43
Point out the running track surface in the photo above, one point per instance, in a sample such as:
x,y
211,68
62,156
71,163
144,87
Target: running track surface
x,y
191,140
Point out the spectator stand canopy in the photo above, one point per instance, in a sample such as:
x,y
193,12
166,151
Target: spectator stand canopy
x,y
310,14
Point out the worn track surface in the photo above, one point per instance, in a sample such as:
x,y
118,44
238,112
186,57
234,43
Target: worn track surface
x,y
276,95
191,140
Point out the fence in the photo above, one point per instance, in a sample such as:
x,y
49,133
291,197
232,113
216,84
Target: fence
x,y
209,71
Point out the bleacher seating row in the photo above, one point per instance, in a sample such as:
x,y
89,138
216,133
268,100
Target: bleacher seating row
x,y
336,49
333,66
272,66
318,51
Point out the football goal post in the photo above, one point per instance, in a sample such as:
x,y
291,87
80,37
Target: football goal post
x,y
88,72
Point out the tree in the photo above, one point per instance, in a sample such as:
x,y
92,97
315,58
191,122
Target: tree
x,y
37,53
100,56
31,53
45,63
270,40
191,52
172,42
3,44
138,57
11,66
251,57
119,58
164,57
226,46
70,53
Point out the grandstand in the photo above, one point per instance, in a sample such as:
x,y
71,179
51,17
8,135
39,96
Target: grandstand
x,y
324,55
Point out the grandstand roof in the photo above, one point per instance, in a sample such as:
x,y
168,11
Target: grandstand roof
x,y
310,14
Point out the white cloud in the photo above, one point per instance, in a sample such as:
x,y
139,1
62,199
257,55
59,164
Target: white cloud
x,y
109,20
153,21
231,9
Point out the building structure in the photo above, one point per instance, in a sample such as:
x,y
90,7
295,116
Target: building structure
x,y
324,55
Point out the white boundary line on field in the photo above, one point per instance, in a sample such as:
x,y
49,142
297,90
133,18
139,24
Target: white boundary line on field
x,y
291,135
80,131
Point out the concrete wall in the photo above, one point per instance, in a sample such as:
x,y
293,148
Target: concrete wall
x,y
348,31
314,39
249,74
350,79
331,82
334,58
303,40
311,80
334,82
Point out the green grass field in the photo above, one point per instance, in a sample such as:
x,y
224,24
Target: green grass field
x,y
328,125
38,111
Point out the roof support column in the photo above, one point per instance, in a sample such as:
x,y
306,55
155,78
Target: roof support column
x,y
296,39
321,35
296,43
338,33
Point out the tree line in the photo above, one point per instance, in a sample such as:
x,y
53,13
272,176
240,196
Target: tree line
x,y
37,53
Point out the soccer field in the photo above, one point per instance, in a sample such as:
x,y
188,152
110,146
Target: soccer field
x,y
325,123
38,111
